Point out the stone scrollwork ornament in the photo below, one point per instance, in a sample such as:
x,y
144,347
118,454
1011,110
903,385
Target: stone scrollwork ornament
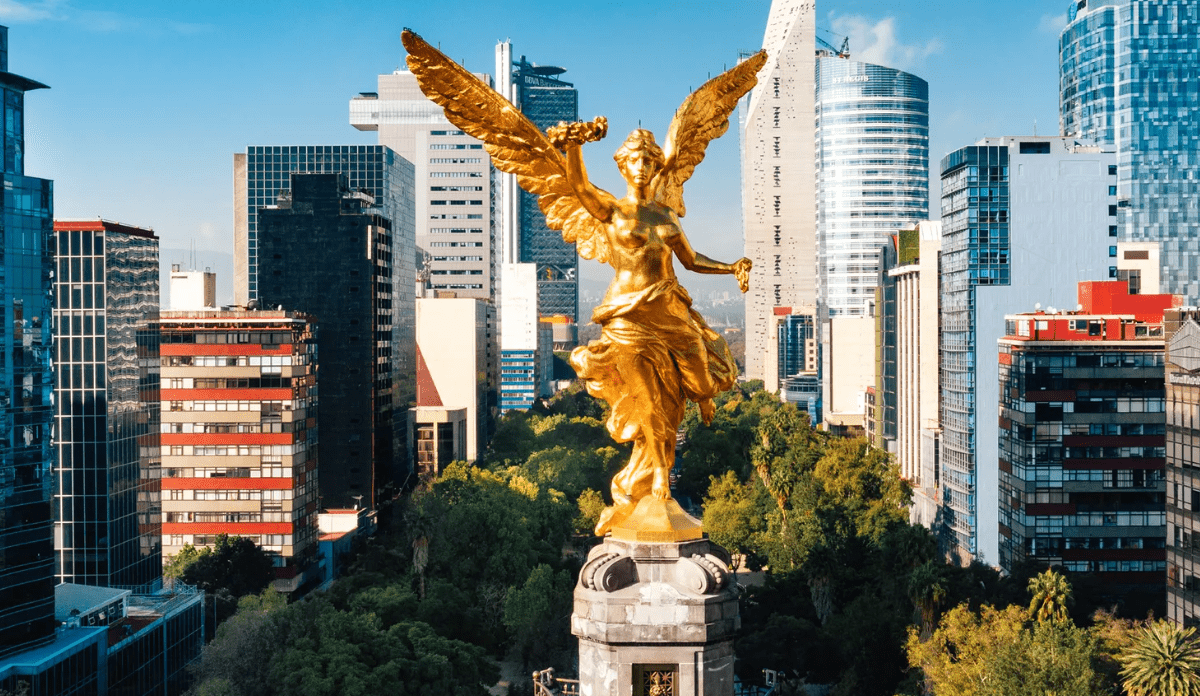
x,y
655,352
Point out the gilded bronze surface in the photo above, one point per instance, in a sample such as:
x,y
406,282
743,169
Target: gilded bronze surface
x,y
655,351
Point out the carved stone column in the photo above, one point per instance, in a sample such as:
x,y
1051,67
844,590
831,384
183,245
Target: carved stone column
x,y
655,618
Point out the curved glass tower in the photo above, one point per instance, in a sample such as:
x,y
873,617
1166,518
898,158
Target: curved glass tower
x,y
1128,77
872,174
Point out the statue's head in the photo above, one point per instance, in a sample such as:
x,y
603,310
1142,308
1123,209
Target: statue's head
x,y
639,158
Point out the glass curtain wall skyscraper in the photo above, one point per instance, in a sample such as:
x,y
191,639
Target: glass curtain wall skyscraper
x,y
1128,73
872,179
107,508
545,99
26,408
872,174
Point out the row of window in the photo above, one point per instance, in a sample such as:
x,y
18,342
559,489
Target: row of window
x,y
228,494
1115,566
265,471
265,407
234,361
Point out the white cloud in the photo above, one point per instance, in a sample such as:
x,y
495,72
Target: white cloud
x,y
14,11
1052,24
876,42
17,11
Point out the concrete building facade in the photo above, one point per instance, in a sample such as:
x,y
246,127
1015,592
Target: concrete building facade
x,y
192,290
456,339
107,512
779,182
1182,333
239,434
917,398
453,198
1082,438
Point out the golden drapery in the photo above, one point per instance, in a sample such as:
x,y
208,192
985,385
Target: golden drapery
x,y
654,352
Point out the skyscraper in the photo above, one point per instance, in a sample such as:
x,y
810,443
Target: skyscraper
x,y
263,173
329,253
872,179
1128,78
107,512
383,183
26,408
779,182
545,99
1024,219
453,196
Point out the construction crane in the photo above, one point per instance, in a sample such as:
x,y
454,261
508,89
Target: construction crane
x,y
843,52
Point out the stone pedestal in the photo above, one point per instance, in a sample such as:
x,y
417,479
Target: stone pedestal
x,y
655,618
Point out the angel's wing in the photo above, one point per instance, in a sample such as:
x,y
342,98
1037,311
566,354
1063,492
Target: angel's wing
x,y
515,144
703,117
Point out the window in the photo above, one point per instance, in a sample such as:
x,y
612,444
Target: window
x,y
1112,190
1112,230
1112,170
1041,148
1112,211
1112,252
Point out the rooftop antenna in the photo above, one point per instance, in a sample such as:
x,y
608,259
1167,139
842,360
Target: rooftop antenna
x,y
1035,127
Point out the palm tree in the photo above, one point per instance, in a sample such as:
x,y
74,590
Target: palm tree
x,y
1163,660
1050,592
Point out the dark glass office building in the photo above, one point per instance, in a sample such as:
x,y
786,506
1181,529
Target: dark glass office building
x,y
546,100
107,511
327,252
26,407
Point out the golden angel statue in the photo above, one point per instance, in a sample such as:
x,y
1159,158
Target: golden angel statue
x,y
655,351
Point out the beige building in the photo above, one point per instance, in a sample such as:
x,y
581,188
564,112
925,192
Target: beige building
x,y
239,434
779,182
917,396
453,177
192,290
457,366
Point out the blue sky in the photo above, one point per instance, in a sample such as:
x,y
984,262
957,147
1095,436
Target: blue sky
x,y
149,100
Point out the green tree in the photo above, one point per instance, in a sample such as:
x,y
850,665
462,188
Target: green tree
x,y
1163,659
538,614
591,504
1050,594
234,564
733,518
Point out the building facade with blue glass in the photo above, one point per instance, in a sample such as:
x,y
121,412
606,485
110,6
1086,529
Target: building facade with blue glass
x,y
872,156
1023,220
107,504
1128,78
26,406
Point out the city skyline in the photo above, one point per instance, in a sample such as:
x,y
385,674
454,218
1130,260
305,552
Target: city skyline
x,y
159,116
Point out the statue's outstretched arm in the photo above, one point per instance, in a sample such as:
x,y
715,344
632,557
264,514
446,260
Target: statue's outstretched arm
x,y
699,263
589,196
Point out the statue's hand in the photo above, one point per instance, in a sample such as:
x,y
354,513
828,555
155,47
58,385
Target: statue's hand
x,y
577,133
741,271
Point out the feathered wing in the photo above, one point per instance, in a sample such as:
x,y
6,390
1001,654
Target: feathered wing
x,y
515,144
702,118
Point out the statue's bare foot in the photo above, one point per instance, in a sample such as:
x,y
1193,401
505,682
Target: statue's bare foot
x,y
707,410
661,487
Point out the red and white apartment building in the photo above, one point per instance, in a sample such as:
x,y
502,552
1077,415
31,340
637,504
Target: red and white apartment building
x,y
239,435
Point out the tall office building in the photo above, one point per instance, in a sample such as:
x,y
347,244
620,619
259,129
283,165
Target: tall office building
x,y
779,182
453,201
872,178
526,356
327,251
107,515
1127,78
1182,329
1082,438
1024,219
239,434
262,174
26,407
796,338
917,328
545,99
